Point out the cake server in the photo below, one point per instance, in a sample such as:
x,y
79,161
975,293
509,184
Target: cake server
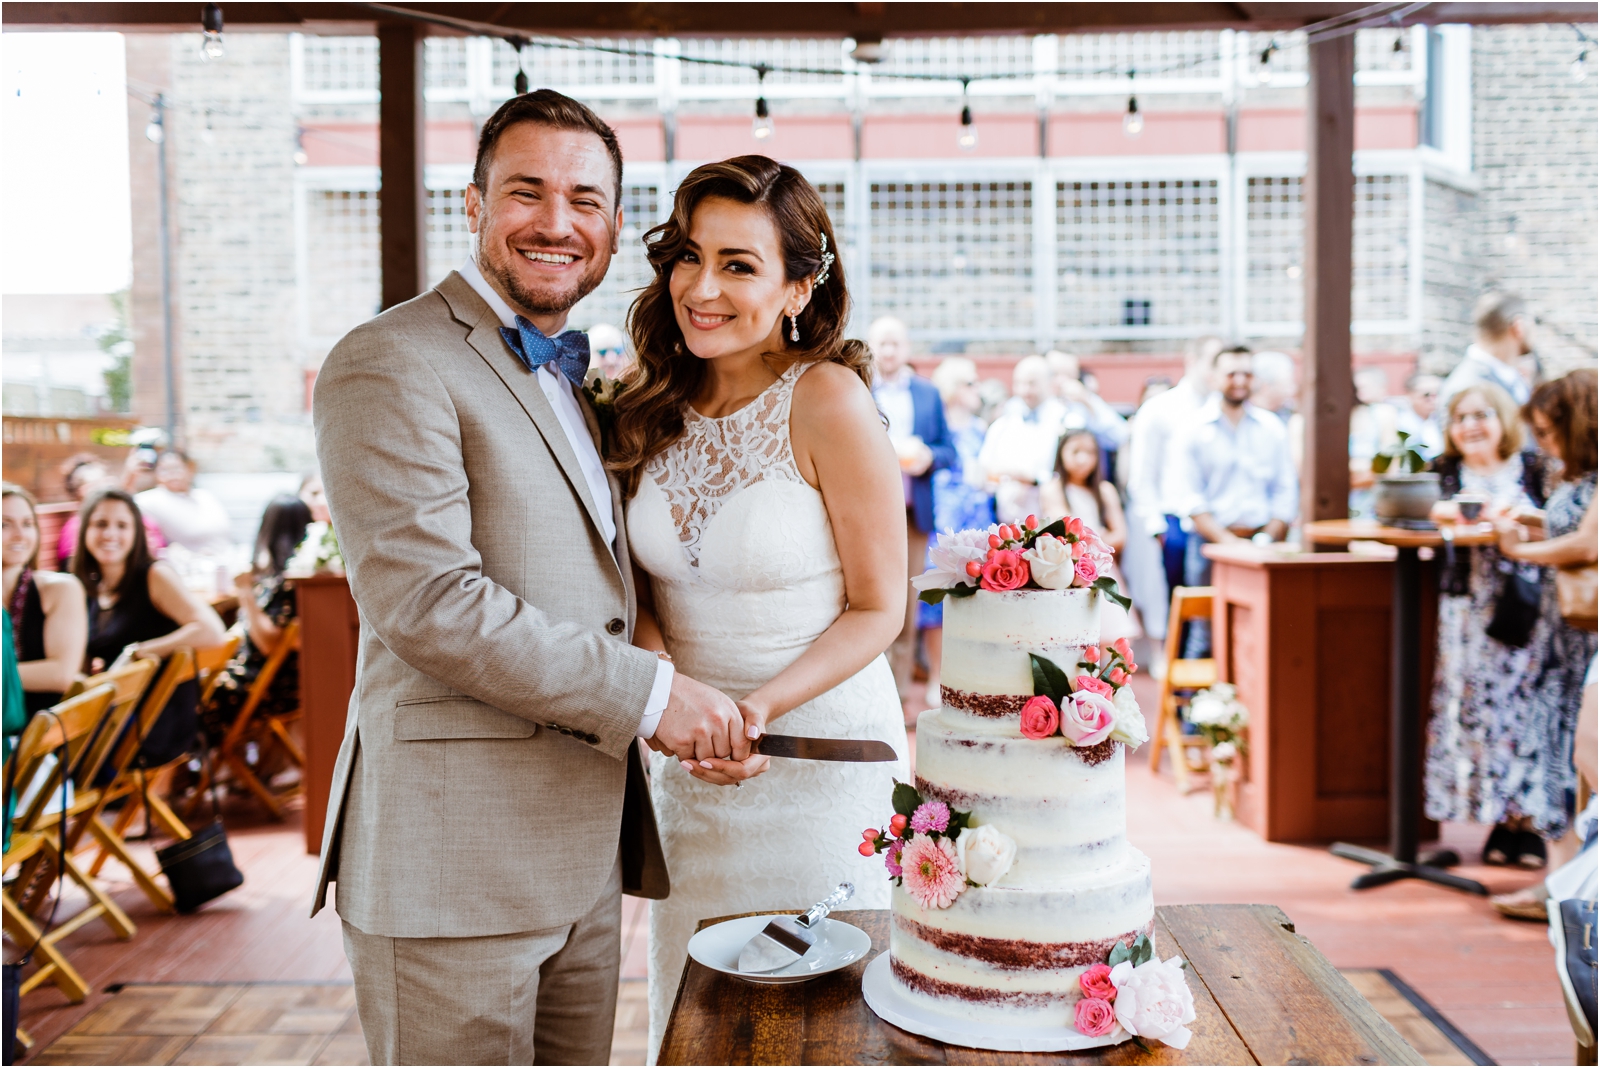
x,y
785,745
786,939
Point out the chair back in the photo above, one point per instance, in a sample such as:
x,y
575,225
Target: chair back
x,y
71,723
209,663
130,681
288,643
1188,602
179,669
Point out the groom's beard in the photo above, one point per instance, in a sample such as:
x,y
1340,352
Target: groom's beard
x,y
494,262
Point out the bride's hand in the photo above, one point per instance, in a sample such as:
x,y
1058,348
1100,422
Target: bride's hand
x,y
720,772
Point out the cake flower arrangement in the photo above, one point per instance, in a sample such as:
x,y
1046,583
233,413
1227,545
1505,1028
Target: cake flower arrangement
x,y
1065,554
1149,998
934,851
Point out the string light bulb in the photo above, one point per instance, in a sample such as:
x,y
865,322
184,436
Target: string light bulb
x,y
967,140
519,84
761,128
1132,121
300,157
1264,73
211,32
155,131
1580,66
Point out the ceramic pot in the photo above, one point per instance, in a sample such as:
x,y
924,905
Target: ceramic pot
x,y
1405,496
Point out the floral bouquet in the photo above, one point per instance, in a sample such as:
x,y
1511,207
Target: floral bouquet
x,y
318,551
1093,707
1221,717
934,851
1062,555
1149,998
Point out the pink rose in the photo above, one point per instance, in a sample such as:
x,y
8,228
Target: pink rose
x,y
1094,1017
1040,718
1094,685
1004,570
1087,571
1087,718
1095,982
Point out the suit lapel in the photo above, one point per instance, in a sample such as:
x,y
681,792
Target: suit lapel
x,y
485,339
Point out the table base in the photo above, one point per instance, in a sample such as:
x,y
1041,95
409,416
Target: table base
x,y
890,1001
1386,869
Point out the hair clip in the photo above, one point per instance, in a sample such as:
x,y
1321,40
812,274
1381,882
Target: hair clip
x,y
827,263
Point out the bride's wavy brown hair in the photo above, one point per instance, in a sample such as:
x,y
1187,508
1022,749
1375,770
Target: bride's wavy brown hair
x,y
649,413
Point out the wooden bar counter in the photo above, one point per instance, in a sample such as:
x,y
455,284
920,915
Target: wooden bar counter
x,y
1306,638
329,637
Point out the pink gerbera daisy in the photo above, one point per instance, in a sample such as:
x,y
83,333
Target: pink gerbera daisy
x,y
891,858
932,875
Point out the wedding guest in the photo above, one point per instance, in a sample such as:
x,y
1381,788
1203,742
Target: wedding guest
x,y
1504,335
1019,448
139,470
188,516
86,473
921,440
1372,428
1417,409
315,497
266,605
138,607
45,608
961,497
1482,747
609,350
1276,392
1082,406
1076,489
1562,415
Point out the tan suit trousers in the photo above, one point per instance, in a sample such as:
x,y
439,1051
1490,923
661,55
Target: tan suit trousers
x,y
535,997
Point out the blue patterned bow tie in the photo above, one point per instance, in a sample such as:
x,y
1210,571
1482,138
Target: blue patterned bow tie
x,y
569,351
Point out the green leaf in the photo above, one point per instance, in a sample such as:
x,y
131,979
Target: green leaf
x,y
1142,951
1380,463
1108,586
1119,953
933,596
1058,528
906,799
961,591
1048,679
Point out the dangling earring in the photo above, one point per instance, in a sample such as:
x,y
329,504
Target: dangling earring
x,y
794,328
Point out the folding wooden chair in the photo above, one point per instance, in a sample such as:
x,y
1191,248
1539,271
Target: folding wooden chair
x,y
41,840
1183,678
265,729
139,787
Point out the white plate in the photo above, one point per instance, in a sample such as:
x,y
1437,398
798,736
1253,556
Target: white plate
x,y
839,946
894,1005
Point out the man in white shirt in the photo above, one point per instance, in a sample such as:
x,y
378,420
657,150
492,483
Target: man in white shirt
x,y
1417,409
1082,406
1018,452
1504,336
1229,471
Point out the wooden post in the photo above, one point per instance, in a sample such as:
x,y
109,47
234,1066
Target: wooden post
x,y
402,211
1329,198
330,635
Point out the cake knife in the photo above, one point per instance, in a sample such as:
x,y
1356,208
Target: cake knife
x,y
786,939
785,745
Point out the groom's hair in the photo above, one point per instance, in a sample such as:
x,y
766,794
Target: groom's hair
x,y
544,107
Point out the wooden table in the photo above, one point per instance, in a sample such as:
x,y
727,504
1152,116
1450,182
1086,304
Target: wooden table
x,y
1405,737
329,637
1263,995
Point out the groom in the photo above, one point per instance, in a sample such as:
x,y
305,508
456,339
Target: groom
x,y
489,806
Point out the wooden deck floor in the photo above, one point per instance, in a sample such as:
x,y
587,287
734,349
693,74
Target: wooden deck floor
x,y
1493,978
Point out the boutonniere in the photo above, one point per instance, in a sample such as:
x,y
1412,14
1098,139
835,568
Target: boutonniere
x,y
602,394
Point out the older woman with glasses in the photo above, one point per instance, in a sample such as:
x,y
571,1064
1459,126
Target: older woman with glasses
x,y
1492,642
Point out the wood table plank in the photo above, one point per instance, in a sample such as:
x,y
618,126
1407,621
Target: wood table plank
x,y
1288,1004
721,1020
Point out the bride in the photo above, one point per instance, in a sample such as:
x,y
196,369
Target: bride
x,y
765,505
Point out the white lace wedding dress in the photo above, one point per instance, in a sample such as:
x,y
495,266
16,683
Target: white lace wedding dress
x,y
746,576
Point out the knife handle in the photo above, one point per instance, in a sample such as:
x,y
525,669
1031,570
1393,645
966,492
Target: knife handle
x,y
815,914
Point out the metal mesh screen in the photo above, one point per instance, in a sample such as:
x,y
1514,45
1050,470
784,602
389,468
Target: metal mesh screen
x,y
342,280
959,57
449,240
562,66
340,64
445,62
1155,243
630,270
954,257
1381,254
1273,243
819,53
1093,56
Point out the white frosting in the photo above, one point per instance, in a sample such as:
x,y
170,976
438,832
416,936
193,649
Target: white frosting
x,y
988,636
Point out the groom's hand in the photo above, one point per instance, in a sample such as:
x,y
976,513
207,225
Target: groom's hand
x,y
700,723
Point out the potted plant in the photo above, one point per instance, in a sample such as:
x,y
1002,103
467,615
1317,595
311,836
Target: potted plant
x,y
1405,489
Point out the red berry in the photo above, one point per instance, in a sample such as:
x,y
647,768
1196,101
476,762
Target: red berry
x,y
974,568
897,824
994,541
869,834
867,850
1032,522
1132,667
1092,654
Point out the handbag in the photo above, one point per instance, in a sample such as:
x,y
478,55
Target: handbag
x,y
1516,608
1575,595
199,868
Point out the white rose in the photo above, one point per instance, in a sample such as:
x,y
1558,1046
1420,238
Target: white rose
x,y
949,557
985,854
1128,724
1050,563
1223,752
1154,1000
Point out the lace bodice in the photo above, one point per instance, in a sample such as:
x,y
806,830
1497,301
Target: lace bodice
x,y
716,458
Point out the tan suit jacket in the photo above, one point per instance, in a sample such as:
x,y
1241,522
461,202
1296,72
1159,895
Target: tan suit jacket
x,y
489,748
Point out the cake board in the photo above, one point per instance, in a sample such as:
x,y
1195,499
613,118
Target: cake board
x,y
893,1005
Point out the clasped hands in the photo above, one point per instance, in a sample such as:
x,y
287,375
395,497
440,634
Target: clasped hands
x,y
710,733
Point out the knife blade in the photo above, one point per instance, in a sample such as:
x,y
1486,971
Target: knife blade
x,y
846,749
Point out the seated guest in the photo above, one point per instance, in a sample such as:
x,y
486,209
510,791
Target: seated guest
x,y
138,607
188,516
315,497
266,605
86,473
1077,490
1417,409
48,623
1019,449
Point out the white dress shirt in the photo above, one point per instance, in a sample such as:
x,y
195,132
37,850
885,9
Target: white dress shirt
x,y
1150,434
1480,366
1241,475
565,403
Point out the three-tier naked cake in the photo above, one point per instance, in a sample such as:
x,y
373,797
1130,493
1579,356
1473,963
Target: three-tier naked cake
x,y
1018,901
